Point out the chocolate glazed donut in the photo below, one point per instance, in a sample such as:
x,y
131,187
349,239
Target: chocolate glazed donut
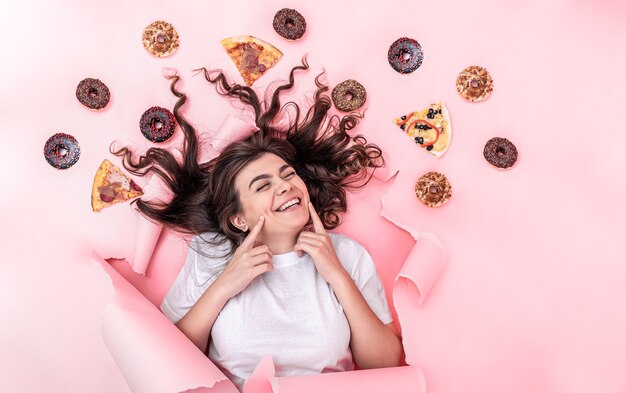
x,y
500,152
349,95
289,23
93,93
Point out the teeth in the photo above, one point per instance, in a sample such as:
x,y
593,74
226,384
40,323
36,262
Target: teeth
x,y
290,203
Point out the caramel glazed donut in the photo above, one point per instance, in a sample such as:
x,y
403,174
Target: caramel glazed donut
x,y
349,95
93,93
433,189
474,83
500,152
289,24
160,38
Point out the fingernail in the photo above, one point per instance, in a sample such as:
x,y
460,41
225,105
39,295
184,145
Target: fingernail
x,y
261,217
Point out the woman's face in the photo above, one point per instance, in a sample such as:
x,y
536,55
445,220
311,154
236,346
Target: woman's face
x,y
271,187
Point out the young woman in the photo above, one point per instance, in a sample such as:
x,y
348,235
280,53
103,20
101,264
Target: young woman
x,y
262,275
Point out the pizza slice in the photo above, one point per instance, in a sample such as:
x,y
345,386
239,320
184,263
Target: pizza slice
x,y
251,55
429,128
111,186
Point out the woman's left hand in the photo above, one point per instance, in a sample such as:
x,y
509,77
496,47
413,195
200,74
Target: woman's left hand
x,y
319,246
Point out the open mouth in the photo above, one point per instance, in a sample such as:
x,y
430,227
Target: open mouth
x,y
290,204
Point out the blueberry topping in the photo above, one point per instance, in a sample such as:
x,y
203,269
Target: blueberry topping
x,y
429,148
430,115
403,118
419,140
402,127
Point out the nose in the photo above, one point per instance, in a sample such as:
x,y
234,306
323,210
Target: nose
x,y
283,186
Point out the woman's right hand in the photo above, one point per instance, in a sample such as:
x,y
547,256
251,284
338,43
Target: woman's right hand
x,y
247,263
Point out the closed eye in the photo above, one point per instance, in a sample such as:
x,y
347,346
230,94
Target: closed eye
x,y
289,175
263,187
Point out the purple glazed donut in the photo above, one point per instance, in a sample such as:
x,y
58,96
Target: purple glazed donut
x,y
61,151
157,124
405,55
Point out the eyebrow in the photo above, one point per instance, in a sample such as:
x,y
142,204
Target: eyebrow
x,y
267,176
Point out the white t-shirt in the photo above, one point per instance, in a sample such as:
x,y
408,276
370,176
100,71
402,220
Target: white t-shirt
x,y
290,313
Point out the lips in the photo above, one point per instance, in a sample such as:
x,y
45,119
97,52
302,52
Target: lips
x,y
290,203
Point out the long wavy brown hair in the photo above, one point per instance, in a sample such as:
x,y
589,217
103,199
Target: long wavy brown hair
x,y
318,146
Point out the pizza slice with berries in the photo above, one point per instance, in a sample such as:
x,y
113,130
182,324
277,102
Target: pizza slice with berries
x,y
429,128
252,56
111,186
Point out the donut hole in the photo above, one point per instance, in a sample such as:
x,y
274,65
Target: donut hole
x,y
290,23
348,96
157,124
161,38
406,55
93,92
500,151
433,189
61,151
474,83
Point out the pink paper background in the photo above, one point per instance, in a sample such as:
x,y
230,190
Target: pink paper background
x,y
534,291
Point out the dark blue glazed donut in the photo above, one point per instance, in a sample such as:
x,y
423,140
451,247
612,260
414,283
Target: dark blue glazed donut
x,y
405,55
157,124
61,151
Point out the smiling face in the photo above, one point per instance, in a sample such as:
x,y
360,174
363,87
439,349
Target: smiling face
x,y
271,187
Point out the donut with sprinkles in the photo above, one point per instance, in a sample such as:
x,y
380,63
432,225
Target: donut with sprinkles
x,y
405,55
61,151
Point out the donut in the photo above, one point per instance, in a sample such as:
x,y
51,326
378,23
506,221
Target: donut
x,y
349,95
474,83
93,93
61,151
500,152
405,55
160,38
289,24
433,189
157,124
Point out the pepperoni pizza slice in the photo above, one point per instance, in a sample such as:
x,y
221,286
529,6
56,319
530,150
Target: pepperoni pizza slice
x,y
252,56
111,186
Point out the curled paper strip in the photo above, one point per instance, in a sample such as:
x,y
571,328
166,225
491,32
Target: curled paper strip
x,y
156,190
146,239
148,232
261,380
405,379
422,268
233,129
152,354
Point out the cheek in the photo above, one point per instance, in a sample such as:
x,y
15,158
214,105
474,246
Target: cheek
x,y
256,205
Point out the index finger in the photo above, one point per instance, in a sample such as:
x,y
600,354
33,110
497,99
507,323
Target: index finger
x,y
254,232
317,222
